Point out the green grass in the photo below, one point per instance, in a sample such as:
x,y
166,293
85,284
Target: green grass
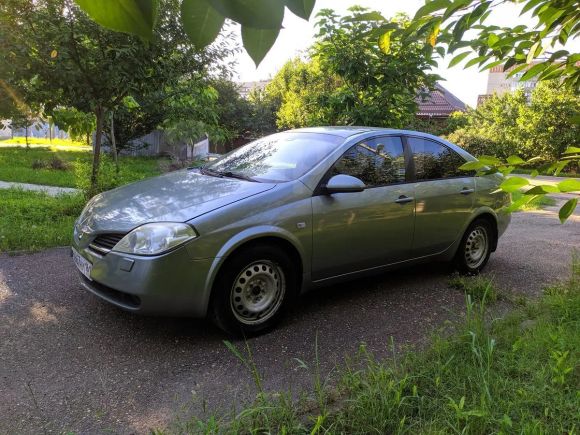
x,y
31,221
535,204
19,140
18,164
519,374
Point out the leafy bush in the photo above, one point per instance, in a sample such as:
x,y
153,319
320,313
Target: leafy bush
x,y
509,124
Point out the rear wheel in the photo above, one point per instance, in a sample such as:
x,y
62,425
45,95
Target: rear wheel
x,y
252,290
475,248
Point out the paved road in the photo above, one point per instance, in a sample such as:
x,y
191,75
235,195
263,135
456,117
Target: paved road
x,y
70,362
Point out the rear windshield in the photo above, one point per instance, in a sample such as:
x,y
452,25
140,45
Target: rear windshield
x,y
277,158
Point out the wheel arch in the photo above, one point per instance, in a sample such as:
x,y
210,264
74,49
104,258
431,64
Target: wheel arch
x,y
251,237
491,217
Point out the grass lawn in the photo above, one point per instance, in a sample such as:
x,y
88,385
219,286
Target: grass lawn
x,y
519,374
32,221
19,140
33,166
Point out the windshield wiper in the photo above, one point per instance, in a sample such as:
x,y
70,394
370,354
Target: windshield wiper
x,y
228,174
238,175
212,172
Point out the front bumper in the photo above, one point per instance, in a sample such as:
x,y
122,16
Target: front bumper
x,y
170,284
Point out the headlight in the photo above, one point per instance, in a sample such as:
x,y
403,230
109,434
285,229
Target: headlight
x,y
151,239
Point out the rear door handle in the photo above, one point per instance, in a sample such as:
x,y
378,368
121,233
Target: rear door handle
x,y
403,199
466,191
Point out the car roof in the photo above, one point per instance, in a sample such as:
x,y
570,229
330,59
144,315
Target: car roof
x,y
362,133
348,131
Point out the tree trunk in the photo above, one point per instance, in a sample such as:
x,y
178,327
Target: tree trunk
x,y
114,143
97,149
26,136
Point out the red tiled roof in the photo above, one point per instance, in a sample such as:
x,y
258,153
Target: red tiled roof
x,y
440,103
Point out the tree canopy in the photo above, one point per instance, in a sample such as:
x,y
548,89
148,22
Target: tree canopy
x,y
57,56
350,80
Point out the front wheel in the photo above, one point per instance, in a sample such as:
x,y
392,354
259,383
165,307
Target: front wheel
x,y
252,290
475,248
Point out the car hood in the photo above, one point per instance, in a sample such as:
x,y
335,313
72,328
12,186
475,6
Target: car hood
x,y
178,197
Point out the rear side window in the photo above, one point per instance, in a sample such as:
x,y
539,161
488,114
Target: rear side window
x,y
434,161
377,162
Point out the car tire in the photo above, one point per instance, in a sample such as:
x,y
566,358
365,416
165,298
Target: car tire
x,y
475,248
253,289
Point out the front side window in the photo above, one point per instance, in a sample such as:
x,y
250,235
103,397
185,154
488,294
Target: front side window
x,y
434,161
276,158
377,162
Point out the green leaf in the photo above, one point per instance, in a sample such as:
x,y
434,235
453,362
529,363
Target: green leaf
x,y
571,185
431,6
257,14
258,42
491,65
516,205
492,39
201,22
471,166
542,190
302,8
513,183
572,150
136,17
458,59
367,16
534,159
567,209
475,60
533,71
490,160
385,42
534,173
515,160
532,52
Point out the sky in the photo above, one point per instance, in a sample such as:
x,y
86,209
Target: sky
x,y
298,34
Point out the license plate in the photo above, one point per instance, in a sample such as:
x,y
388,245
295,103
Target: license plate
x,y
83,265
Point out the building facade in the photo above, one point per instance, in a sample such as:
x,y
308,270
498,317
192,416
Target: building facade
x,y
499,83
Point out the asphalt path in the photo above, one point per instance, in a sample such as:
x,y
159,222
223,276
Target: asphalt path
x,y
69,362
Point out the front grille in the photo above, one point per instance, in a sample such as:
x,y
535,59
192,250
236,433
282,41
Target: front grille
x,y
103,243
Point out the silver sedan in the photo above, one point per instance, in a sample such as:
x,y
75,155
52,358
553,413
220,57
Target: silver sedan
x,y
241,237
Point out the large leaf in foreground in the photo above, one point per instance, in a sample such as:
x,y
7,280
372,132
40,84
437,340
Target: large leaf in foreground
x,y
513,183
201,22
302,8
136,17
567,209
258,42
257,14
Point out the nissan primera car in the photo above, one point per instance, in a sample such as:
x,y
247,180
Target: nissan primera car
x,y
239,238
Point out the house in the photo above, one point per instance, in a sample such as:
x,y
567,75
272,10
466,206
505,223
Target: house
x,y
439,104
245,88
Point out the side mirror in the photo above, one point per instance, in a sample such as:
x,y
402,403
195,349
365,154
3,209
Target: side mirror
x,y
344,183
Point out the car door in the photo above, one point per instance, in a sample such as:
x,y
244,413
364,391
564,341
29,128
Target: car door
x,y
361,230
444,196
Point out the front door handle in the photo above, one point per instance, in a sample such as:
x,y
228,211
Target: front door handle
x,y
403,199
466,191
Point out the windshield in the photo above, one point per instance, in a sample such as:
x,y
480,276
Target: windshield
x,y
277,158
